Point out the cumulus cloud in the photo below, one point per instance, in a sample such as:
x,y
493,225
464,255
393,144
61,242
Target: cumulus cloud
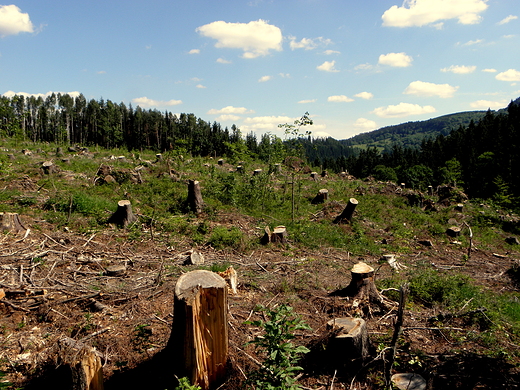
x,y
507,19
223,61
417,13
460,69
474,42
489,70
307,101
328,66
265,123
255,39
402,110
145,102
308,43
200,86
263,79
13,21
487,104
423,88
194,51
10,94
364,95
227,117
400,60
339,99
366,66
363,124
284,75
329,52
509,75
230,110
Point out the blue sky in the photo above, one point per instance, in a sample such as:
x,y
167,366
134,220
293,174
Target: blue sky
x,y
355,66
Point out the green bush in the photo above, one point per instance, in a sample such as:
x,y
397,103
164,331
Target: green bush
x,y
222,237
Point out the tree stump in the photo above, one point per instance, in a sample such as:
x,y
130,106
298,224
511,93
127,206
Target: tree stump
x,y
321,196
279,235
123,215
84,362
314,176
193,258
351,339
324,173
48,167
347,213
195,202
220,161
199,338
257,172
11,222
453,231
240,169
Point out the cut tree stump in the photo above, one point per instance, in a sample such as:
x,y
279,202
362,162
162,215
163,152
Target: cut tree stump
x,y
199,338
193,257
195,202
257,172
123,215
85,364
48,167
321,196
279,234
10,222
453,231
351,340
347,213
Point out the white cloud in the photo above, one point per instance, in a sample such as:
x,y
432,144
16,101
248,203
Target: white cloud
x,y
194,51
10,94
101,72
417,13
144,102
255,39
230,110
327,66
263,79
485,104
366,66
509,36
223,61
339,99
13,21
307,101
489,70
509,75
265,123
400,60
423,88
284,75
507,19
329,52
460,69
363,124
364,95
200,86
475,42
308,43
227,117
401,110
320,134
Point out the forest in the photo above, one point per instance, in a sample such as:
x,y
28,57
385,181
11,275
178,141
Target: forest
x,y
481,157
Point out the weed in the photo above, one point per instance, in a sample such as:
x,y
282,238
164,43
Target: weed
x,y
184,384
141,338
281,355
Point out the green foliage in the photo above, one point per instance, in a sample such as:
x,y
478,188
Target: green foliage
x,y
184,384
281,355
141,337
222,237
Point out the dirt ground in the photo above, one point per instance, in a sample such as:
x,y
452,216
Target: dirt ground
x,y
59,285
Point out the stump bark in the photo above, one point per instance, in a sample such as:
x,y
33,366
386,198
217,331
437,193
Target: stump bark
x,y
347,213
321,196
199,338
124,215
11,222
351,340
195,202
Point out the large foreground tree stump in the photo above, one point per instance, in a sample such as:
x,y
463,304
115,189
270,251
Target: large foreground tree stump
x,y
195,202
347,213
199,338
123,215
10,222
350,340
84,362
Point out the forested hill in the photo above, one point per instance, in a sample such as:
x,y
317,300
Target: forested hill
x,y
411,134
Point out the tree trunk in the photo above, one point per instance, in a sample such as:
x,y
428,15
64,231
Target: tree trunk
x,y
351,340
11,222
123,215
199,338
85,364
195,202
347,213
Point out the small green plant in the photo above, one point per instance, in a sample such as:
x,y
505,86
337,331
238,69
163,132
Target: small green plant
x,y
281,355
141,339
184,384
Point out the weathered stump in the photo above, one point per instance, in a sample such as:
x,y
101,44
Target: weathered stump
x,y
11,222
123,215
48,167
321,196
279,234
314,175
348,212
351,339
199,338
193,257
195,202
257,172
85,364
453,231
220,161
